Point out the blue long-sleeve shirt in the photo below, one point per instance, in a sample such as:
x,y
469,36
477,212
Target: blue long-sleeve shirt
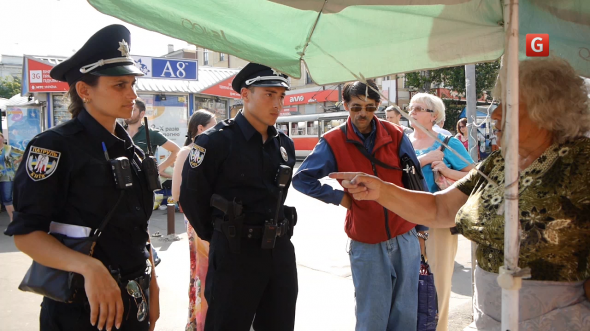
x,y
321,162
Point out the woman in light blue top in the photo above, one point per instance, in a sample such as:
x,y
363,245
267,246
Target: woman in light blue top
x,y
441,246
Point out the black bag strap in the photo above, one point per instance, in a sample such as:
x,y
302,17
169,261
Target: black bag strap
x,y
445,142
373,159
108,217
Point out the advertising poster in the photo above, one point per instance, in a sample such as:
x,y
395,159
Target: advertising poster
x,y
60,110
24,123
169,116
38,78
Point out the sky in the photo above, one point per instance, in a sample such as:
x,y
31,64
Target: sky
x,y
60,27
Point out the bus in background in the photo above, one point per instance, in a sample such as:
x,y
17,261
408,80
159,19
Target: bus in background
x,y
306,130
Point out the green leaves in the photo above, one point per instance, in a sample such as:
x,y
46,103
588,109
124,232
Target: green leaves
x,y
9,87
453,78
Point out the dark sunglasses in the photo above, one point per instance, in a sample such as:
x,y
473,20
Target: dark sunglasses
x,y
136,292
418,109
357,108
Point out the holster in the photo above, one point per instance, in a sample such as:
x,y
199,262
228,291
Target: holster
x,y
232,229
232,222
291,216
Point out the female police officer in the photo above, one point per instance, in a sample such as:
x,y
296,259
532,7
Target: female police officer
x,y
66,186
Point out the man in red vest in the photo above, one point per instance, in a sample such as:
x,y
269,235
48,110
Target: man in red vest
x,y
384,249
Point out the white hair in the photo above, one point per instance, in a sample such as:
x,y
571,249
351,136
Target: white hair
x,y
432,102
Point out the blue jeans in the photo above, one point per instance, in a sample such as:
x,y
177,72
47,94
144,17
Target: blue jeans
x,y
6,193
385,277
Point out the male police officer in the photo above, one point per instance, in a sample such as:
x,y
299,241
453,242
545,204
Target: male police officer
x,y
234,184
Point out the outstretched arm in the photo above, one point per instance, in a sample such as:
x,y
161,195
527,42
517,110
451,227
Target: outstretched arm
x,y
433,210
318,165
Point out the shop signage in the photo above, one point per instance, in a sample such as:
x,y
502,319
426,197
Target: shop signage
x,y
38,80
311,97
287,111
223,89
153,67
24,123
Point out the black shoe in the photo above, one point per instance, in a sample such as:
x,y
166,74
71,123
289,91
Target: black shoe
x,y
157,261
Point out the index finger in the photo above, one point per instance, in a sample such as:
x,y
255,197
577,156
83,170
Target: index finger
x,y
119,313
344,175
93,311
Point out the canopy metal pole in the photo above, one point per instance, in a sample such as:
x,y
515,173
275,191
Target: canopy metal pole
x,y
471,114
510,286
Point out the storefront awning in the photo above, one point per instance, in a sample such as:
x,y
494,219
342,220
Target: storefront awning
x,y
208,77
36,78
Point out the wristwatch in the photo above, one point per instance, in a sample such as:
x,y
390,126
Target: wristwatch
x,y
423,235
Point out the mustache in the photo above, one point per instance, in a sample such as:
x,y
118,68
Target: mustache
x,y
362,118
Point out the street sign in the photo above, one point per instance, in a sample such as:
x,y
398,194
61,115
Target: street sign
x,y
167,68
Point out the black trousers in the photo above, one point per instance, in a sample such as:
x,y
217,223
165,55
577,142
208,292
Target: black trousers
x,y
256,287
59,316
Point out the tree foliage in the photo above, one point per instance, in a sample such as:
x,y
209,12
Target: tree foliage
x,y
453,78
9,87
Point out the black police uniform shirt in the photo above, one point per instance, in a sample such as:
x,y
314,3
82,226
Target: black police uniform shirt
x,y
64,177
231,160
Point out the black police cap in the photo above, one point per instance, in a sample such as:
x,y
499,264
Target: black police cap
x,y
106,53
254,74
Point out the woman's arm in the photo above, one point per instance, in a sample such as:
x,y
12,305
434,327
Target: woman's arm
x,y
432,156
433,210
452,174
104,295
177,174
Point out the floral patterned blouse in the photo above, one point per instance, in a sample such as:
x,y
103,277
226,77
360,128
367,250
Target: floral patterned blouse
x,y
554,206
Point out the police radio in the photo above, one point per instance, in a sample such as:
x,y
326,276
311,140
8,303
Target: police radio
x,y
270,228
149,164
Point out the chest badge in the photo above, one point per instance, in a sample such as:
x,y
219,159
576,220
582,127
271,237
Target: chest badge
x,y
284,154
41,163
196,156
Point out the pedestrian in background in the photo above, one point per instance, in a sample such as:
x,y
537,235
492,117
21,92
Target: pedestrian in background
x,y
200,121
393,114
10,158
384,249
137,130
441,246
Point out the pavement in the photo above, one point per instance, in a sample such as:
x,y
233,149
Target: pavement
x,y
326,293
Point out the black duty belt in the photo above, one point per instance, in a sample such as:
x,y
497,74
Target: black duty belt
x,y
253,231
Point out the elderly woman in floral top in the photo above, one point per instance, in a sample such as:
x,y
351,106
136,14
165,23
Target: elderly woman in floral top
x,y
554,204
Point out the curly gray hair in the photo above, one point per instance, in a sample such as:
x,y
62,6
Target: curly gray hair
x,y
555,95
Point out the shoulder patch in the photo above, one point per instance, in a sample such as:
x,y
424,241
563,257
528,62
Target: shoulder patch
x,y
196,156
42,163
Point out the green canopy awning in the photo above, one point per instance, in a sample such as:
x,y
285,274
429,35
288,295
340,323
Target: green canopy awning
x,y
343,38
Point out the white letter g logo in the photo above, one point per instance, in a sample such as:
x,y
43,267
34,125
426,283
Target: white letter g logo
x,y
533,45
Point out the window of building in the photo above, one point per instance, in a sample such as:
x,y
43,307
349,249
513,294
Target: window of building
x,y
221,57
206,57
308,79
